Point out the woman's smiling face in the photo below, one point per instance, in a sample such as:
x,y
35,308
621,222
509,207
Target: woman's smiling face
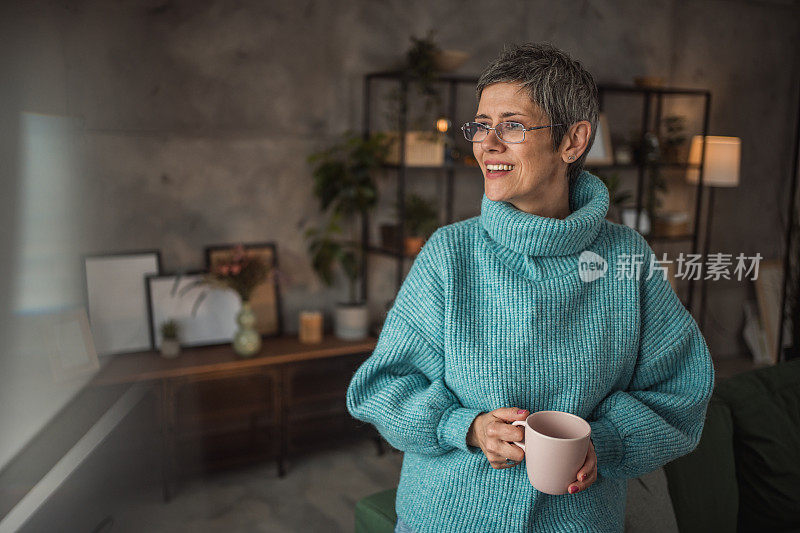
x,y
535,166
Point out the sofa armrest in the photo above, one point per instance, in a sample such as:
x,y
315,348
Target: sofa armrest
x,y
702,484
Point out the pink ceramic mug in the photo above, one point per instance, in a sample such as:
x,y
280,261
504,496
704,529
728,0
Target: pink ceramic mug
x,y
555,446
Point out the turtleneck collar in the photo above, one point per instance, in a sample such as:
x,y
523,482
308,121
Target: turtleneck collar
x,y
537,236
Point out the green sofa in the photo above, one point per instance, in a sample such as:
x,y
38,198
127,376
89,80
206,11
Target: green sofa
x,y
745,473
743,476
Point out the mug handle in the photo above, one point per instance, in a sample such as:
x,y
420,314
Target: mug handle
x,y
521,444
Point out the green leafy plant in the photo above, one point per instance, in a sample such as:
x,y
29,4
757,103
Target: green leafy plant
x,y
420,71
344,186
169,330
674,137
421,216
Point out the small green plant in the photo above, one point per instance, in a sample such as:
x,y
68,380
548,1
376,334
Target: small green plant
x,y
421,216
674,137
344,186
169,330
419,70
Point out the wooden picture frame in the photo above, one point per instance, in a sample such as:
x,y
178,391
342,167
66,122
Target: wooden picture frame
x,y
117,300
202,321
601,152
266,299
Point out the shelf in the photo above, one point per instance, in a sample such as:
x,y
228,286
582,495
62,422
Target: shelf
x,y
442,76
618,88
669,238
635,165
431,167
391,253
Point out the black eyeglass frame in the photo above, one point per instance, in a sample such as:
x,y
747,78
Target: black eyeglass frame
x,y
489,128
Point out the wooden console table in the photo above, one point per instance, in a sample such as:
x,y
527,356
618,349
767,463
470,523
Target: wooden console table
x,y
275,362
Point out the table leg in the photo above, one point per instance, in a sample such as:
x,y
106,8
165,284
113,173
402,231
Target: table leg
x,y
283,429
167,421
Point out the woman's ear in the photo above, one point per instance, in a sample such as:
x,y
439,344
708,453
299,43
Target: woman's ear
x,y
575,141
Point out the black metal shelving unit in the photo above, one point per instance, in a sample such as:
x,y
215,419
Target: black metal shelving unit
x,y
452,83
651,96
653,99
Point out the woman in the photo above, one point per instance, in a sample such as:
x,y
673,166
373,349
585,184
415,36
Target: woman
x,y
496,320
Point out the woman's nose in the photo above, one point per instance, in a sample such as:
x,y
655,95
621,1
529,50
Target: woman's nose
x,y
491,143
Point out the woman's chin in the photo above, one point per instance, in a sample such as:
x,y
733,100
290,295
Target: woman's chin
x,y
495,194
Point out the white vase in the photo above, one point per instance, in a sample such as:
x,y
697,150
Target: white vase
x,y
351,322
170,348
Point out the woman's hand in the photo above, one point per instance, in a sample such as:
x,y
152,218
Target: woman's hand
x,y
588,472
492,432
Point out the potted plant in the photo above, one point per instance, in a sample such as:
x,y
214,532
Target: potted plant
x,y
242,273
421,220
170,345
345,189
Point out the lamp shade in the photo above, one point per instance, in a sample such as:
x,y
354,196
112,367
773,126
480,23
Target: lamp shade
x,y
721,168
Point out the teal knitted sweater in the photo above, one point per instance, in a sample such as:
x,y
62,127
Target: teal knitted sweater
x,y
494,313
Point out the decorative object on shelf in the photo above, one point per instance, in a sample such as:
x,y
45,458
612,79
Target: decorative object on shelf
x,y
674,138
623,154
115,292
205,315
616,197
449,60
650,82
241,272
648,154
421,221
671,223
629,219
600,153
170,345
265,299
423,148
389,236
310,327
720,166
344,186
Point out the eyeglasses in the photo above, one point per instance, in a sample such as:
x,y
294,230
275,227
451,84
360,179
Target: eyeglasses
x,y
508,132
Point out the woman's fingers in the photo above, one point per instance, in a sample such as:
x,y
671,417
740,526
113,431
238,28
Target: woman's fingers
x,y
587,473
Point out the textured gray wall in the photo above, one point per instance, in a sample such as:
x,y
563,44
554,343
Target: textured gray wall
x,y
199,114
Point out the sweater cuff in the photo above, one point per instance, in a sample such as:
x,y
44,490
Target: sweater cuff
x,y
454,426
607,445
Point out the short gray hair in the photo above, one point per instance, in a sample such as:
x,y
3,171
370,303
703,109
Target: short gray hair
x,y
558,84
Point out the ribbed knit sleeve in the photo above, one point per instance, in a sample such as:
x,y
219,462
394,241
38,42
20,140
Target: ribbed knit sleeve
x,y
400,389
660,416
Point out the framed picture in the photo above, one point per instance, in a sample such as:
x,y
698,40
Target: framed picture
x,y
265,300
71,347
205,315
115,293
601,153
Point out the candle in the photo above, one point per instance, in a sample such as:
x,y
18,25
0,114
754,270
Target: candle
x,y
310,327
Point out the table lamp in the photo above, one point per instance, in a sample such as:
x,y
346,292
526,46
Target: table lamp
x,y
720,169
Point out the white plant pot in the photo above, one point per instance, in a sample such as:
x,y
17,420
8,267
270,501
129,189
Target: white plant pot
x,y
170,348
351,322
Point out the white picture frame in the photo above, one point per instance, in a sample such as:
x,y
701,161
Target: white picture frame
x,y
601,152
71,348
202,321
115,295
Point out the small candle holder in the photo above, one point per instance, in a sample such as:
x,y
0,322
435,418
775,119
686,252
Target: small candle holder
x,y
310,330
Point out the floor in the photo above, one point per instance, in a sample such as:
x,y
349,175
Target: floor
x,y
318,494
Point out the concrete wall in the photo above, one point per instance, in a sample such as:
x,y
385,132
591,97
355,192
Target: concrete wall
x,y
198,115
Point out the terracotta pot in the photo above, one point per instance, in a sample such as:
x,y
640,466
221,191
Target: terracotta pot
x,y
412,245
